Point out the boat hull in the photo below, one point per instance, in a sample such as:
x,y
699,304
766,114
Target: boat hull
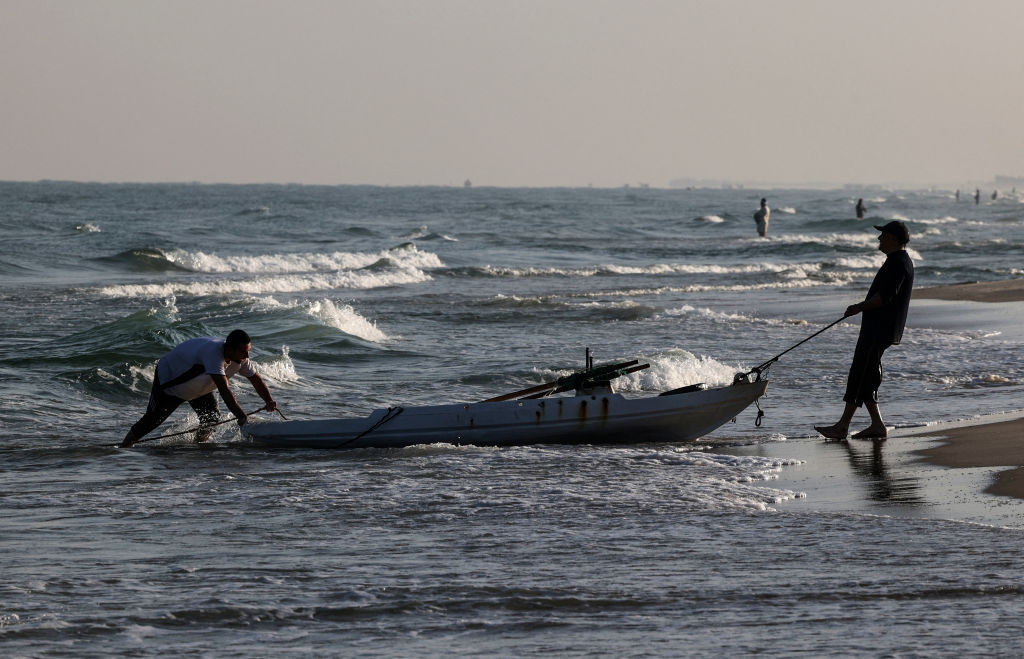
x,y
588,419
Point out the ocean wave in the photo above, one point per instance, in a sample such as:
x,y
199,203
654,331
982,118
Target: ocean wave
x,y
279,284
87,228
788,210
278,368
937,220
568,309
405,255
826,279
129,339
653,269
860,239
327,313
255,210
9,268
860,262
423,233
143,259
710,219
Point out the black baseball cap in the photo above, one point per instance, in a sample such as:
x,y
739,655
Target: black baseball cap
x,y
898,229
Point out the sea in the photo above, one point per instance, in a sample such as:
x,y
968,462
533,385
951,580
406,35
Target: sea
x,y
749,541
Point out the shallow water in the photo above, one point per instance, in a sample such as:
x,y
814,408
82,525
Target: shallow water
x,y
755,540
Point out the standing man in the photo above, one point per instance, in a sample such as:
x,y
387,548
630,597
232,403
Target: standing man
x,y
885,315
761,217
192,372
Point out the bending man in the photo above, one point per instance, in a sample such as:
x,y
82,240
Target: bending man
x,y
885,315
191,372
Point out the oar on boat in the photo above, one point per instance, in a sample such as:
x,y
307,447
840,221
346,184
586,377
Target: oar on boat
x,y
576,385
567,382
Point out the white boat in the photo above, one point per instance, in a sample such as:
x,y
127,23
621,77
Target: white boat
x,y
594,414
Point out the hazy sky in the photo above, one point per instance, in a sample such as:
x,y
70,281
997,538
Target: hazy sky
x,y
506,92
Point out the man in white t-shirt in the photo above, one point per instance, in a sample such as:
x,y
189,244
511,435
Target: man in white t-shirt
x,y
761,218
192,372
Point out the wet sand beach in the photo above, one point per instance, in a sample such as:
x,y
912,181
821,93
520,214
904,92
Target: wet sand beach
x,y
910,475
1006,290
999,444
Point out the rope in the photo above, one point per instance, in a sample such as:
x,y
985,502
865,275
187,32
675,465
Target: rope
x,y
384,419
763,368
201,426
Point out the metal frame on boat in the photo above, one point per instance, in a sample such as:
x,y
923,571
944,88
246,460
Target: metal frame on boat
x,y
594,414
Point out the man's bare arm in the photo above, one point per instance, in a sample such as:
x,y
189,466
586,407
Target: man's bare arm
x,y
261,388
229,397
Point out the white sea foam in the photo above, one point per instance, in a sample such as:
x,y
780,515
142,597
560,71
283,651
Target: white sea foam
x,y
669,370
418,232
302,262
827,279
788,210
687,310
342,317
863,239
87,228
710,219
346,319
860,262
656,269
278,368
715,480
279,284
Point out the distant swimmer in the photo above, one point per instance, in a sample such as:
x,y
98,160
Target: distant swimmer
x,y
884,316
958,194
977,196
192,372
860,209
761,217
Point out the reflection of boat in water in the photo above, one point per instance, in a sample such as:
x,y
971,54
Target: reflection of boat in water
x,y
593,414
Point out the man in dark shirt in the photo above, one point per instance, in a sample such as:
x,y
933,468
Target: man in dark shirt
x,y
885,315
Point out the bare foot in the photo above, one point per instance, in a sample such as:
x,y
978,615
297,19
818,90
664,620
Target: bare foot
x,y
872,432
833,432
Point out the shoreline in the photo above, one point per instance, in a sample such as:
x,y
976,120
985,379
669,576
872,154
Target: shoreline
x,y
987,443
1003,290
980,443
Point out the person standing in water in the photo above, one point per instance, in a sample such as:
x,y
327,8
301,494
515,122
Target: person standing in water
x,y
884,317
192,372
860,209
761,218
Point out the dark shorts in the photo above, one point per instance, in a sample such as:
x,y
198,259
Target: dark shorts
x,y
865,372
162,404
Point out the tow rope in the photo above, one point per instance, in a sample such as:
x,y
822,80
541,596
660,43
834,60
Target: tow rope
x,y
760,370
201,426
390,414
